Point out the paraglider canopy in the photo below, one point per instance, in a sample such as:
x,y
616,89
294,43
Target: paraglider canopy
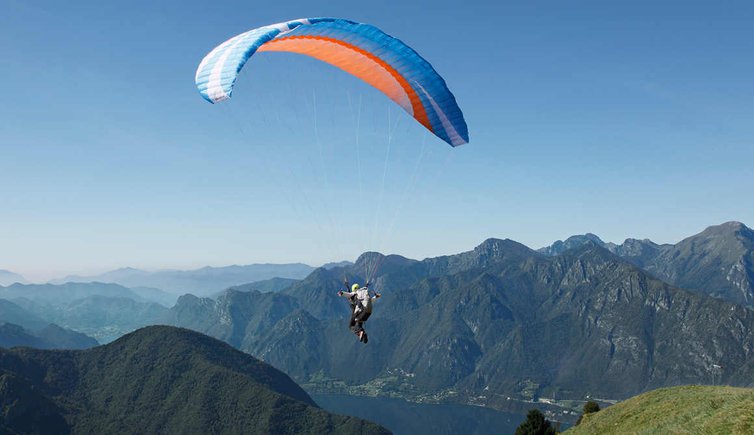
x,y
362,50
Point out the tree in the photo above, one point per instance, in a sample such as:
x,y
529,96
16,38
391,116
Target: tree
x,y
535,424
589,408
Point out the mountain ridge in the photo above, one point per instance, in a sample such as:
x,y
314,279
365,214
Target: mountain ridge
x,y
203,281
7,278
718,261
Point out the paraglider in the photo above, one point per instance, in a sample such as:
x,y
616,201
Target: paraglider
x,y
360,299
364,51
360,49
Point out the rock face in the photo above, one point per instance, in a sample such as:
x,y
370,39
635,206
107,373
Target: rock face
x,y
718,262
501,321
157,380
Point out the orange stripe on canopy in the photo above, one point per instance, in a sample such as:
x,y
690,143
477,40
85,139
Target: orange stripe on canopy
x,y
357,62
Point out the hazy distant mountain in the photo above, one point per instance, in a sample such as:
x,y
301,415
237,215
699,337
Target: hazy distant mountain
x,y
49,337
63,338
102,311
151,294
157,380
501,321
13,313
266,286
12,335
719,261
7,278
333,265
102,317
28,329
49,294
202,282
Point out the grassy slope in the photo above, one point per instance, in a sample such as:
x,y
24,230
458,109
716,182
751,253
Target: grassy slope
x,y
677,410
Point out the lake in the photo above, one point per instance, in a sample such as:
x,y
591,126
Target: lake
x,y
406,418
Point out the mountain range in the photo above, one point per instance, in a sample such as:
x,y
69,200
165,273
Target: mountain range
x,y
157,380
718,262
500,326
202,282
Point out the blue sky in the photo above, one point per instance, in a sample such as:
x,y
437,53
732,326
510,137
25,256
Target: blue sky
x,y
626,120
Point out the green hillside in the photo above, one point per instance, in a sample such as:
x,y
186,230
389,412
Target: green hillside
x,y
157,380
677,410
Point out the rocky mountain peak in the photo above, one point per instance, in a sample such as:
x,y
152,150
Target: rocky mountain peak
x,y
496,248
560,246
727,230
